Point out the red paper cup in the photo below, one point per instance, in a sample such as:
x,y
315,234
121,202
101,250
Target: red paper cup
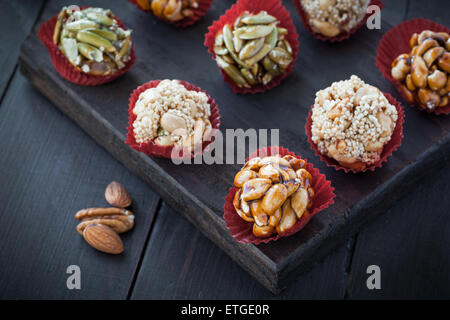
x,y
340,37
396,42
388,149
242,230
152,149
66,69
203,6
274,8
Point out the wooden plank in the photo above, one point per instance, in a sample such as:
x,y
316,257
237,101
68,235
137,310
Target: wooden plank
x,y
412,249
198,191
50,170
16,20
180,263
409,241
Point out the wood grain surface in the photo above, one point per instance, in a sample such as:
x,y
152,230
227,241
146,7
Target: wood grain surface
x,y
17,20
192,267
54,171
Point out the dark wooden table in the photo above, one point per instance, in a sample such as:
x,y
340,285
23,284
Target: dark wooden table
x,y
50,168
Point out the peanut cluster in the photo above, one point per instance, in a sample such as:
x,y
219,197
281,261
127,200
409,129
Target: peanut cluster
x,y
172,10
273,193
424,72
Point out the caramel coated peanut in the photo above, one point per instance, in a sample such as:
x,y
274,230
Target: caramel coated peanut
x,y
288,218
299,202
260,217
255,188
269,172
237,207
243,176
274,198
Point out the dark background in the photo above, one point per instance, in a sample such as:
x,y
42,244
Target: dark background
x,y
50,169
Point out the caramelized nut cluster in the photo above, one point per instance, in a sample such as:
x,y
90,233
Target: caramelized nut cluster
x,y
92,40
253,50
273,193
172,10
424,72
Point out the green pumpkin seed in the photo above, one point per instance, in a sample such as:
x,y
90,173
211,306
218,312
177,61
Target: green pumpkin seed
x,y
124,49
232,72
238,23
64,34
111,36
253,32
237,42
70,49
122,34
218,41
255,69
220,50
287,46
100,18
260,18
258,56
270,66
251,48
266,78
58,26
90,52
80,25
228,59
228,37
248,76
281,57
95,40
272,38
282,31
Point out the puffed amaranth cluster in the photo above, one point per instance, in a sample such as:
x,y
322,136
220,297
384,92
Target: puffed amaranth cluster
x,y
333,17
171,115
92,40
253,50
351,122
273,192
424,72
171,10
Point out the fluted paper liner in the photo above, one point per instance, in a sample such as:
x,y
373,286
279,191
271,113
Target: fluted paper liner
x,y
396,42
203,6
388,149
242,230
66,69
274,8
152,149
340,37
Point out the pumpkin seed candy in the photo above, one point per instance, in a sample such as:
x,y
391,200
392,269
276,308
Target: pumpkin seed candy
x,y
92,40
253,50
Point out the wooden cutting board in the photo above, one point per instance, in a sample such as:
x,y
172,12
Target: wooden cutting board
x,y
198,191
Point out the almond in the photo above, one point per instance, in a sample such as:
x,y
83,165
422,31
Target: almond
x,y
117,195
103,238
